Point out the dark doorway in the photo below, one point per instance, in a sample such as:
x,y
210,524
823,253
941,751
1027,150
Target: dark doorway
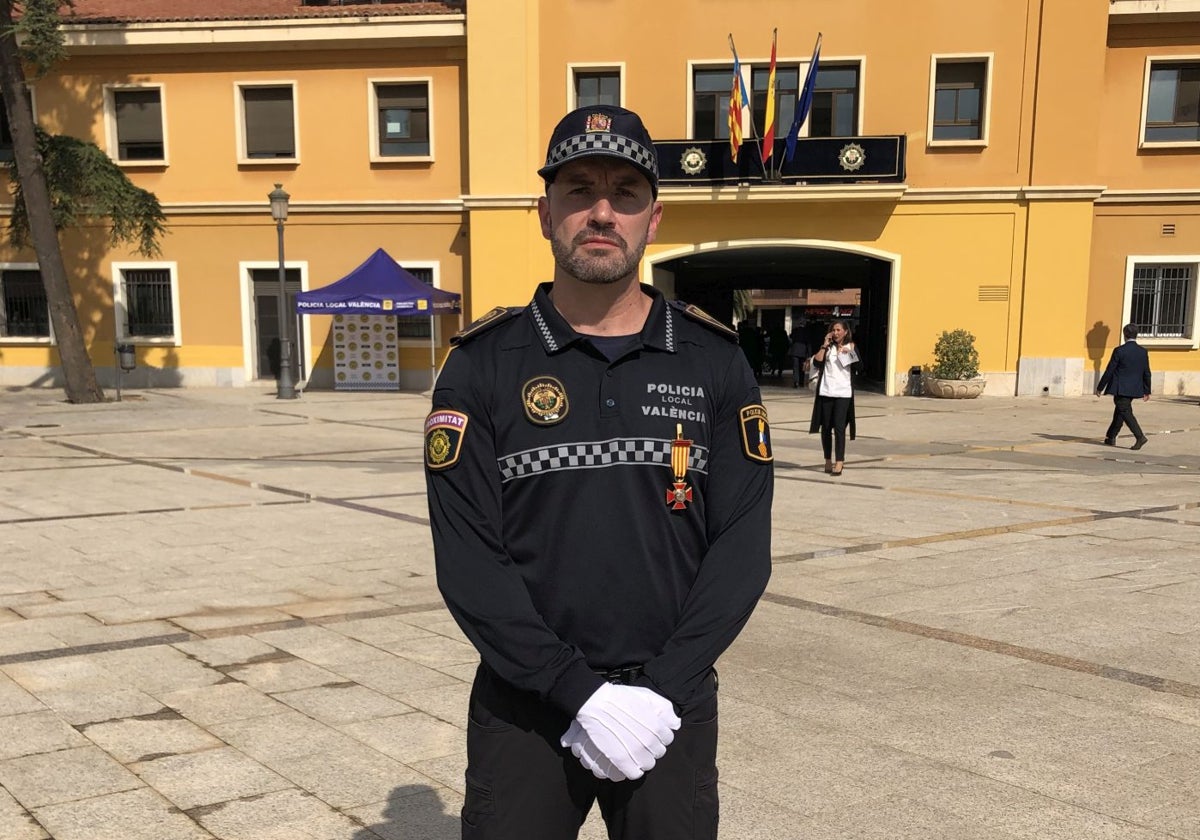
x,y
709,279
265,282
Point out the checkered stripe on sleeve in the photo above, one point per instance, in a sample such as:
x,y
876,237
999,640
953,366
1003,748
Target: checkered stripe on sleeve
x,y
596,455
613,144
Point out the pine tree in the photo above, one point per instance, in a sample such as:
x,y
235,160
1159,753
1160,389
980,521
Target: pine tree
x,y
58,179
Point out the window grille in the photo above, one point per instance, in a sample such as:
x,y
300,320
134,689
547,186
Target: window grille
x,y
1161,300
25,313
415,328
148,308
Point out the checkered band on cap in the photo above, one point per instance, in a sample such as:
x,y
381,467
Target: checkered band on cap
x,y
602,143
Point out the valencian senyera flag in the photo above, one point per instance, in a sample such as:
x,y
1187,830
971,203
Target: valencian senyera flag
x,y
768,138
804,102
738,100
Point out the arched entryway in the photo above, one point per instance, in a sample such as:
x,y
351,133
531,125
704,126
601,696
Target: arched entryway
x,y
708,275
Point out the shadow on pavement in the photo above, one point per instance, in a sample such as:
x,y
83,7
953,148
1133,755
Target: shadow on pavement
x,y
413,811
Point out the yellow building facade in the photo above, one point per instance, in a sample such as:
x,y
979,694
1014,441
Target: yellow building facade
x,y
1022,169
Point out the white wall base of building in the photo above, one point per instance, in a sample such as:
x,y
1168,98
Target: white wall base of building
x,y
1053,377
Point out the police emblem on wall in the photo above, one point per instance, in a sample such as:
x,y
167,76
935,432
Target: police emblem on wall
x,y
444,432
693,160
545,400
852,157
756,434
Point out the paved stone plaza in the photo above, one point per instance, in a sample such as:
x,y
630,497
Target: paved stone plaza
x,y
218,619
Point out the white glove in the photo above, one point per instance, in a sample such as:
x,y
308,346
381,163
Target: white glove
x,y
629,725
581,746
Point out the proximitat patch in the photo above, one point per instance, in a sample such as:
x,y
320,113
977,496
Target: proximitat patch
x,y
756,434
444,431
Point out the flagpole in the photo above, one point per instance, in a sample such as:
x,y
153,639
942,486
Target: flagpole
x,y
753,129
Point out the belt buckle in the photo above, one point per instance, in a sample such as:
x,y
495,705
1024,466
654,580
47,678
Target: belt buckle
x,y
625,675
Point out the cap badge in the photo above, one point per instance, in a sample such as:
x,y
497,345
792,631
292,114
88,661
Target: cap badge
x,y
545,400
680,492
598,122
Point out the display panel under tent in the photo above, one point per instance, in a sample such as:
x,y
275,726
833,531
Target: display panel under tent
x,y
365,303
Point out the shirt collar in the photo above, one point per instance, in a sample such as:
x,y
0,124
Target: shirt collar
x,y
556,334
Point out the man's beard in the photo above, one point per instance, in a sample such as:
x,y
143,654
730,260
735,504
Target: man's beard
x,y
603,270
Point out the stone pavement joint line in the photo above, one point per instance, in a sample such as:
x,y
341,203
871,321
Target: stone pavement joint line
x,y
991,646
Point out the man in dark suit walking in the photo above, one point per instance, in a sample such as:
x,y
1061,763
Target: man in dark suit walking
x,y
1126,377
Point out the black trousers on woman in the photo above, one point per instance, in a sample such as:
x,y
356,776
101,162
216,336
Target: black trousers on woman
x,y
833,414
521,785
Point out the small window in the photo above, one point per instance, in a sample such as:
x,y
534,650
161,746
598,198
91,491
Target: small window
x,y
402,121
1173,102
1162,300
25,313
597,87
710,102
137,122
146,301
268,122
960,99
416,329
787,89
835,102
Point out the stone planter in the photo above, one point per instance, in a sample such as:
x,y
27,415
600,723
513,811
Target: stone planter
x,y
954,389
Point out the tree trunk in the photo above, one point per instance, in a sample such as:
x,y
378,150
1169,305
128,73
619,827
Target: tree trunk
x,y
78,373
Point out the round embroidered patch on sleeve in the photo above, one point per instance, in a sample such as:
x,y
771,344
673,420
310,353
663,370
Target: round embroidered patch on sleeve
x,y
444,431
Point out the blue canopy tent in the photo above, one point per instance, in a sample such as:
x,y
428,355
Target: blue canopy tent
x,y
381,287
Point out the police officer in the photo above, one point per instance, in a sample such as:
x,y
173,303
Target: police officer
x,y
600,475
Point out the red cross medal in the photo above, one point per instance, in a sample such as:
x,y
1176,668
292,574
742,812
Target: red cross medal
x,y
680,493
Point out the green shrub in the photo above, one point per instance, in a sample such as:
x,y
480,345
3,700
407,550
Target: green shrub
x,y
955,356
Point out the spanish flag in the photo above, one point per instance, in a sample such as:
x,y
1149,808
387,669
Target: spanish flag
x,y
768,139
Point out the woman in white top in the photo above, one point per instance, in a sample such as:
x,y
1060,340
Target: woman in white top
x,y
833,407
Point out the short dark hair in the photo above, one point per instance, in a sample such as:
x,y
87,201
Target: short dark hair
x,y
1129,331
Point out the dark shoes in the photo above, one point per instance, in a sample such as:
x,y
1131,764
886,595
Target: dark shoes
x,y
1139,443
1109,442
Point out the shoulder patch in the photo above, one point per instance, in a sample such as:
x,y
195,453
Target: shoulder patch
x,y
697,314
444,432
490,319
756,434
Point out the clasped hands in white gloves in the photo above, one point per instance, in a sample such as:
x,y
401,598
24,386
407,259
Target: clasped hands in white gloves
x,y
621,731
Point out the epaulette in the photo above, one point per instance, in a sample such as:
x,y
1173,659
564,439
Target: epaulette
x,y
697,314
490,319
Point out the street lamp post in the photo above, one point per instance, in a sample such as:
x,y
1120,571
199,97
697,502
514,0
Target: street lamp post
x,y
279,212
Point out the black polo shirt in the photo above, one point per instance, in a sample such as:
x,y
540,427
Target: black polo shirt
x,y
564,541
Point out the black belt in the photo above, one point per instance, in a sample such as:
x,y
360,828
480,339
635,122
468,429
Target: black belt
x,y
627,675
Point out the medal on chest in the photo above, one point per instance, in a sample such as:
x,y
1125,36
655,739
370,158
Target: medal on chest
x,y
680,492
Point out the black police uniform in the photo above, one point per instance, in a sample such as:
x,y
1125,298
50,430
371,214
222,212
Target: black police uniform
x,y
571,550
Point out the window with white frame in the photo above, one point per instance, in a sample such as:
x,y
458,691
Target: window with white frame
x,y
836,98
135,124
416,329
711,87
1161,297
596,86
960,97
1172,102
24,313
400,115
147,301
267,117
